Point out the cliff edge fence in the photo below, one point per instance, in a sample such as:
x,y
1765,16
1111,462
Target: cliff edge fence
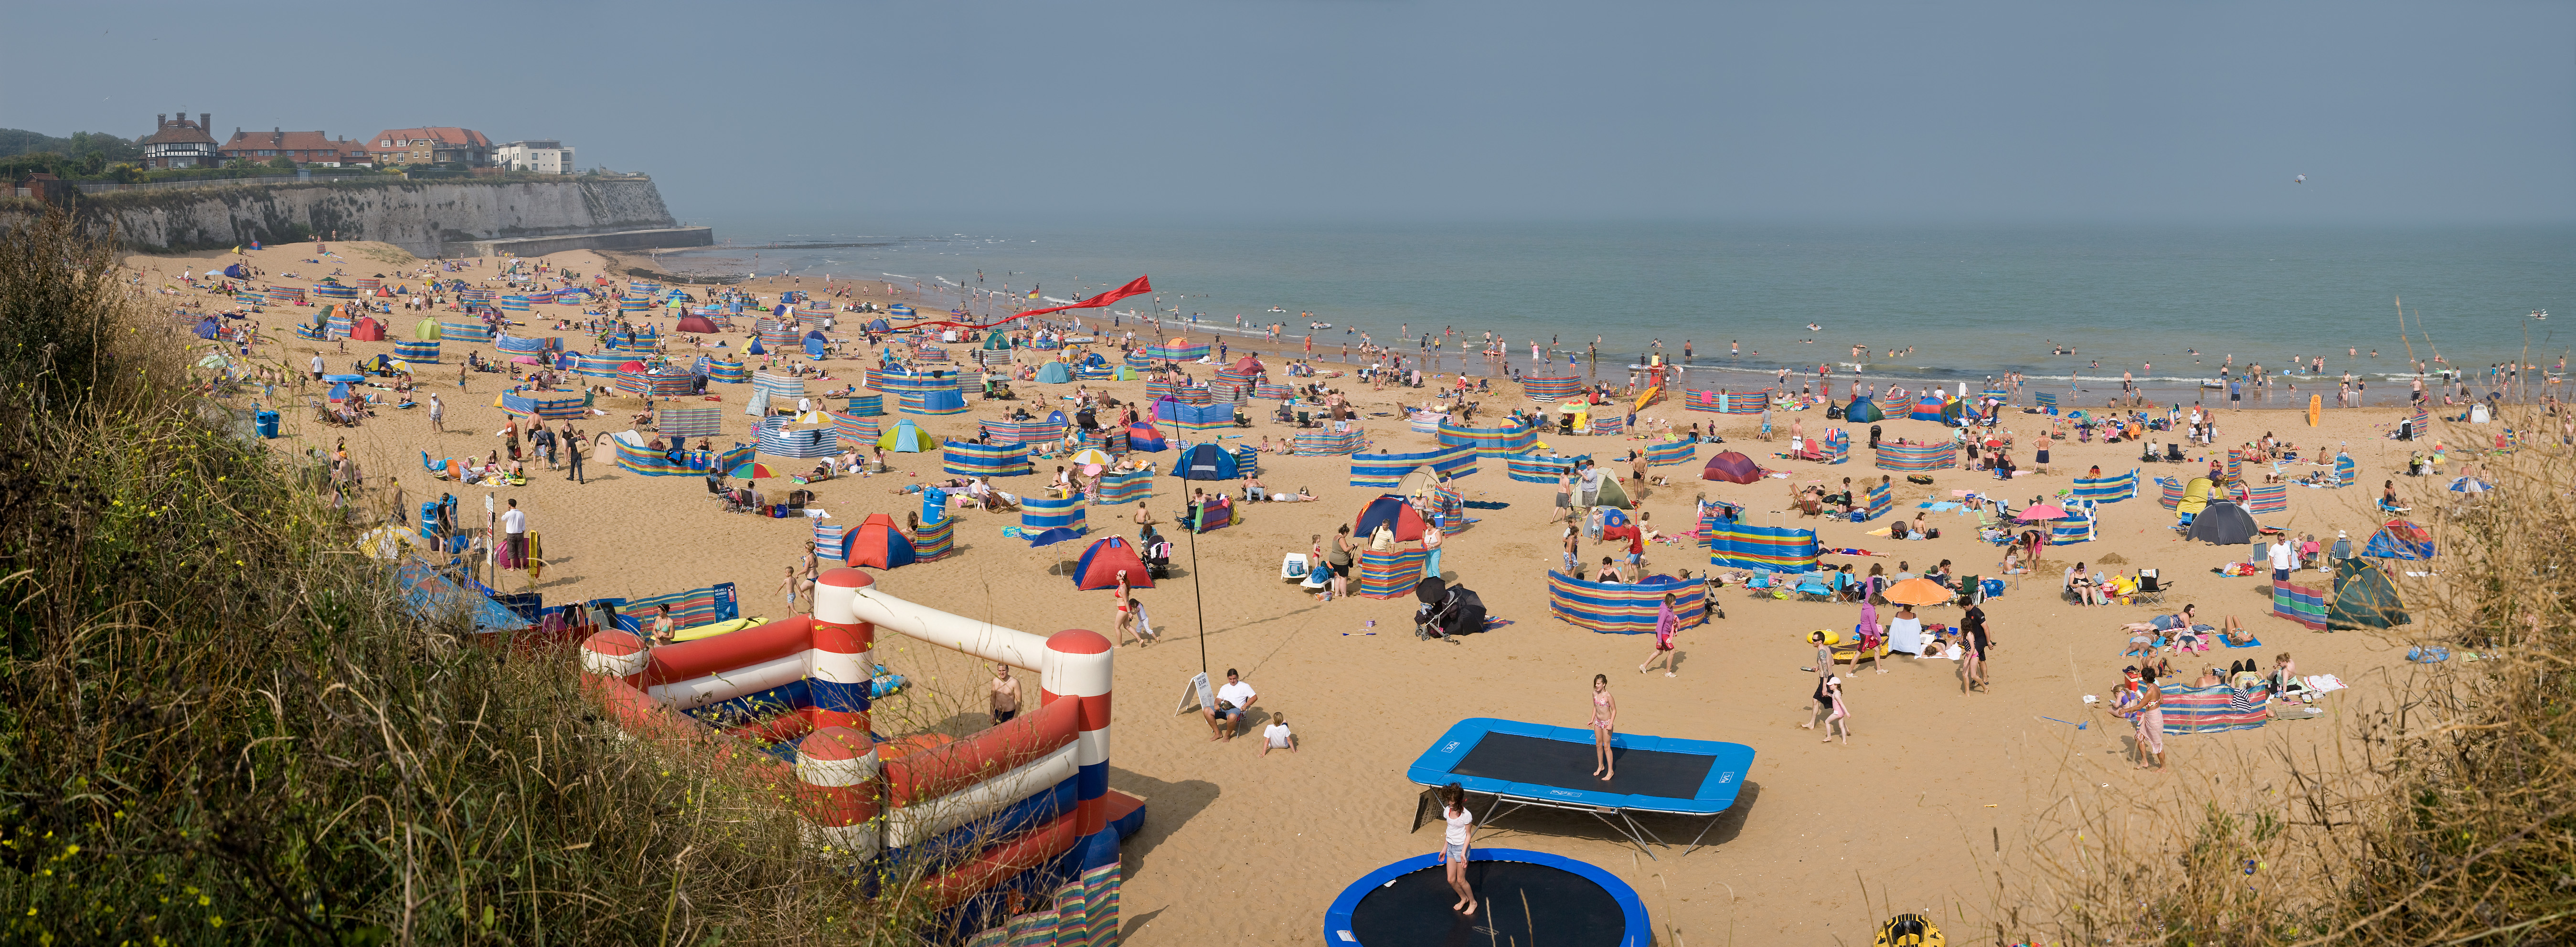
x,y
462,217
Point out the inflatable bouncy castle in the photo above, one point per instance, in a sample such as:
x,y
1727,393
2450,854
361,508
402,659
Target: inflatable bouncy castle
x,y
1018,817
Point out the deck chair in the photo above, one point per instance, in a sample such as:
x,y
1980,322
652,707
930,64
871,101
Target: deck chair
x,y
438,470
2151,589
1813,589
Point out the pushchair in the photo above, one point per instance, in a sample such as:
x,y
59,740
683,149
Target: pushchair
x,y
1447,611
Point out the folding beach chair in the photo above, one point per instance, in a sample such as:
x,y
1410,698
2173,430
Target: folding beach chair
x,y
2151,588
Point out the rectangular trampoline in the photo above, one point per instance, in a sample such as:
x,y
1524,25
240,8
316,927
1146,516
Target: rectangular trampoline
x,y
1530,764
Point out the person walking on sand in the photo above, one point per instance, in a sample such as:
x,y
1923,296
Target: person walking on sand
x,y
1454,841
1605,720
2148,715
1817,703
1834,692
787,586
1667,624
1972,651
437,414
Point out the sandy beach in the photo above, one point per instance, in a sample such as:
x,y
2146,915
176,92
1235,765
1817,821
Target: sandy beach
x,y
1925,809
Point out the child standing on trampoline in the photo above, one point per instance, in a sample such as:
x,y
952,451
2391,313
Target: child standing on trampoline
x,y
1605,718
1453,853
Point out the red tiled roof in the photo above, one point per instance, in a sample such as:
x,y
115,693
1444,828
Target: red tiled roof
x,y
290,141
444,133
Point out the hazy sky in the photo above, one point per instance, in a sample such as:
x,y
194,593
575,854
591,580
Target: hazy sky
x,y
1242,111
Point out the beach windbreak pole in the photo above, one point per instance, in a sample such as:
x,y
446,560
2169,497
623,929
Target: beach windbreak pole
x,y
1136,287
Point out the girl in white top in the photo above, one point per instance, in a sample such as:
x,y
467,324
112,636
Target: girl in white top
x,y
1453,854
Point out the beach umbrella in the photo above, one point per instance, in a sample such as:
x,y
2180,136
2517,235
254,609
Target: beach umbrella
x,y
2040,512
1091,457
1918,592
752,471
1050,537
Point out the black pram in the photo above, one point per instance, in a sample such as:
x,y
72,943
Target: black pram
x,y
1446,610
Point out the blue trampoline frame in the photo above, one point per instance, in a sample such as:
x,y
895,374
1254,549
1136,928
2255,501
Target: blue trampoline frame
x,y
1728,764
1640,930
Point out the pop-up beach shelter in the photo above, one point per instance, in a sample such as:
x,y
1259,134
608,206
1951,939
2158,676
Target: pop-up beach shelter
x,y
1054,373
1099,566
1863,410
2364,598
1928,407
367,330
1731,467
2224,524
1391,512
1144,436
2399,539
904,438
1203,462
426,330
1605,492
877,543
698,324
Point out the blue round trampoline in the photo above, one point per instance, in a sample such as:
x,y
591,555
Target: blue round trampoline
x,y
1530,897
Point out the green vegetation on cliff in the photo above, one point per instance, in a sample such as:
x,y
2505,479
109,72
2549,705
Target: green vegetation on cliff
x,y
219,724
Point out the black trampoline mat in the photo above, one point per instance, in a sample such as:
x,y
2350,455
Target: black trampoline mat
x,y
1544,762
1515,902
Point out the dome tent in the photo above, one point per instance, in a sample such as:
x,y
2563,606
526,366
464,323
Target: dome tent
x,y
2225,524
1054,373
1099,566
2399,539
1731,467
2364,598
904,438
1204,462
1392,512
1863,410
426,330
877,543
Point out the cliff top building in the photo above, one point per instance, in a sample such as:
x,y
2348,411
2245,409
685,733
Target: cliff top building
x,y
432,145
300,147
180,143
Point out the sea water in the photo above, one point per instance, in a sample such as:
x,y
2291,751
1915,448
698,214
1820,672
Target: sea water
x,y
1953,304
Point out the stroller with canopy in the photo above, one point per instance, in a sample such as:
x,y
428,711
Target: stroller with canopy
x,y
1447,610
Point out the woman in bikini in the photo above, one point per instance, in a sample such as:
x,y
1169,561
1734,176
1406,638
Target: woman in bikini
x,y
1605,718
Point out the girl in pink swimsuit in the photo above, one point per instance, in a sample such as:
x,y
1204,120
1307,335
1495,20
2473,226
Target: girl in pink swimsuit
x,y
1605,717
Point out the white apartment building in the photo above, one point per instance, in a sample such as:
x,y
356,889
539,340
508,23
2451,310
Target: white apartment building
x,y
543,157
